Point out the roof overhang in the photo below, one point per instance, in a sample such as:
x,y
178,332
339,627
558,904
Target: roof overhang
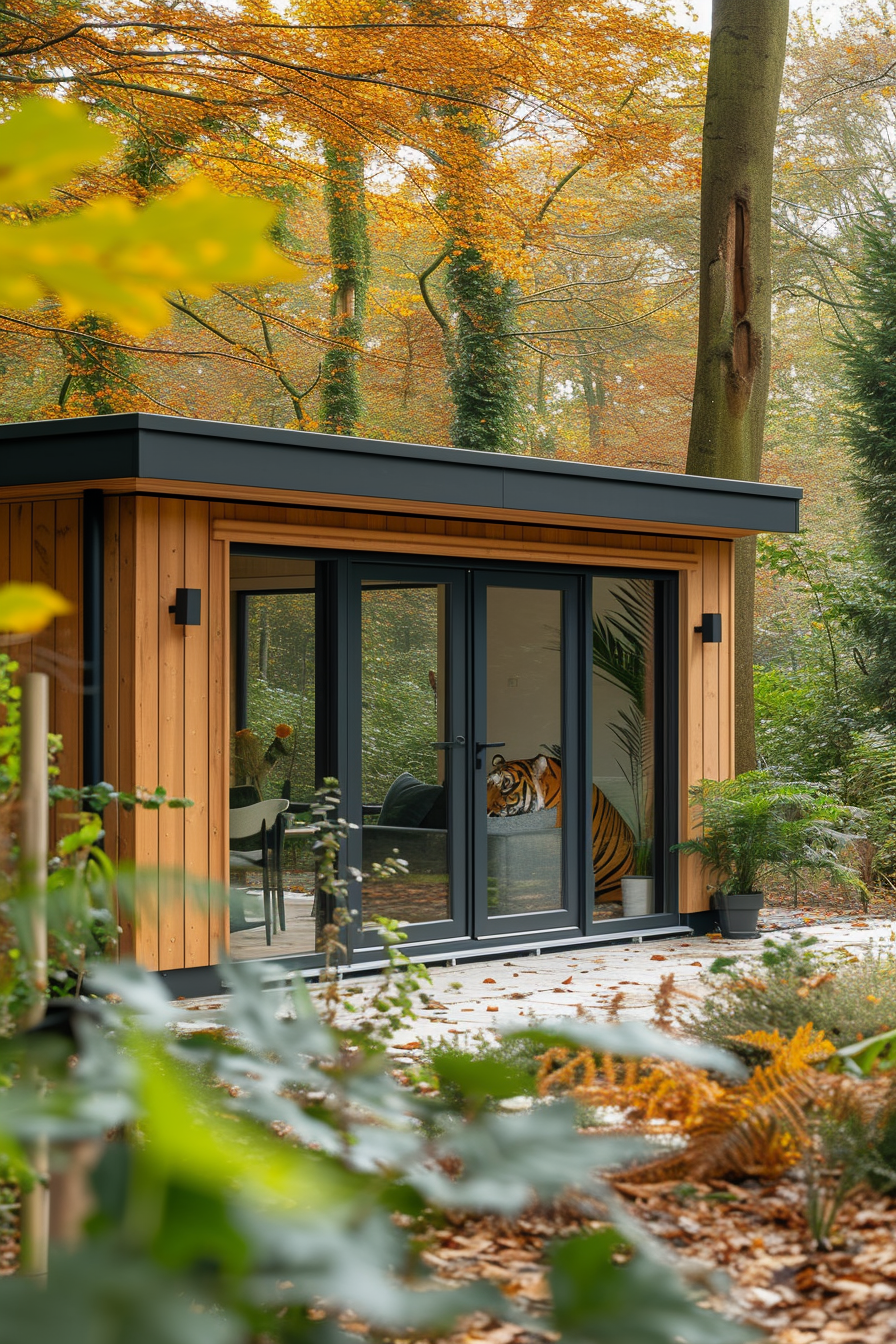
x,y
192,457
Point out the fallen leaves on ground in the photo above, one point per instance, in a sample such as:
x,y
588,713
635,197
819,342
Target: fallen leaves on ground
x,y
757,1234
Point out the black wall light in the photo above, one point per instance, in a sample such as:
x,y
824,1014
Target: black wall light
x,y
711,627
187,606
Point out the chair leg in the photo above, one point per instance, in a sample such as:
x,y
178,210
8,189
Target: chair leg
x,y
281,900
266,881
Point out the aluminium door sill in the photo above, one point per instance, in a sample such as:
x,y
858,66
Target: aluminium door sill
x,y
486,953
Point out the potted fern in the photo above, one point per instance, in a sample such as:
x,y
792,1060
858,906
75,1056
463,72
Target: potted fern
x,y
621,643
757,826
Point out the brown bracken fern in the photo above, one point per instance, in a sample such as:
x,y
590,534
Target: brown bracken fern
x,y
755,1128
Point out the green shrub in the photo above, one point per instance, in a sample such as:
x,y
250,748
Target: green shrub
x,y
757,825
796,983
506,1068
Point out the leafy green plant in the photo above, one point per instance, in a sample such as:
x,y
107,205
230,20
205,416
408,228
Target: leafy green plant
x,y
845,1156
757,825
865,1057
207,1228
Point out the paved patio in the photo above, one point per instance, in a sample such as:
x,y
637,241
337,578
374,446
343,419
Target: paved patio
x,y
475,997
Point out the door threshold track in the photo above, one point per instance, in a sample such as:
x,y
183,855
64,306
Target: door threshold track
x,y
450,958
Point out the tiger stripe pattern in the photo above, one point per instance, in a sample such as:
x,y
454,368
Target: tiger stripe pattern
x,y
514,787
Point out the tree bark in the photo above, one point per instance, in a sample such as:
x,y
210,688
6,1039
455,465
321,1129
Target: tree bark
x,y
743,90
341,401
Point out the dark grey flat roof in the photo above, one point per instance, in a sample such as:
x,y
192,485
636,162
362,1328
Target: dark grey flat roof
x,y
161,447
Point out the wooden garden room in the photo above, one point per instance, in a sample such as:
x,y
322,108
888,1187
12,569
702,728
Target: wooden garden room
x,y
515,667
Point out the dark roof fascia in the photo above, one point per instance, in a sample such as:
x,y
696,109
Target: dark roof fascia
x,y
159,447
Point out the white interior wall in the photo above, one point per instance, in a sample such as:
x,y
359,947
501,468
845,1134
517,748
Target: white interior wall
x,y
523,675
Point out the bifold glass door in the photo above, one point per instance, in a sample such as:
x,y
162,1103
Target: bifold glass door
x,y
503,739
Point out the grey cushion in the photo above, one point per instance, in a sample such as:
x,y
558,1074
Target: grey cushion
x,y
409,801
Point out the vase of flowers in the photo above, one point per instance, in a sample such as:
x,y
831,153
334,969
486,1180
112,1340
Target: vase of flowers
x,y
253,763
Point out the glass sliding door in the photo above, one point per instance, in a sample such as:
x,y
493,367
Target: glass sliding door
x,y
413,751
526,755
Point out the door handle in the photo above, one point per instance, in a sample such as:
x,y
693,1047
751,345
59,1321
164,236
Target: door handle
x,y
445,746
480,748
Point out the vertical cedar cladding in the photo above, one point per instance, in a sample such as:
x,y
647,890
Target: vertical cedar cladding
x,y
166,687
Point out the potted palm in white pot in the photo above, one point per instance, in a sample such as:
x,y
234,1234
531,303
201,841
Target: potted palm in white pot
x,y
621,642
757,826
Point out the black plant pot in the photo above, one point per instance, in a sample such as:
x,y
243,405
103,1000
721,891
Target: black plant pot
x,y
738,914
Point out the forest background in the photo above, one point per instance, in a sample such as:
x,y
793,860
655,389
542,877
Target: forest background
x,y
492,212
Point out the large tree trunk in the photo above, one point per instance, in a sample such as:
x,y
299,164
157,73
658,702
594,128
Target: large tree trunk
x,y
743,90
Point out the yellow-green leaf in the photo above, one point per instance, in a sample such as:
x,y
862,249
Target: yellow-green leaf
x,y
117,260
26,608
43,144
188,1136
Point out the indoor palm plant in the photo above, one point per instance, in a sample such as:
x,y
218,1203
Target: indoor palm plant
x,y
756,826
621,643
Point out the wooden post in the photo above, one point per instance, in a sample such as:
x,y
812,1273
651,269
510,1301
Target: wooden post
x,y
34,840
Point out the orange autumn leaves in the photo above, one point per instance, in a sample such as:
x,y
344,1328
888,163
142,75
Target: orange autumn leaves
x,y
471,109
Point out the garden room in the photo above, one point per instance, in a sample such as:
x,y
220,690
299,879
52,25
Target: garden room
x,y
514,667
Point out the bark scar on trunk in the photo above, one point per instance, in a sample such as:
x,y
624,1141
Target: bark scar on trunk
x,y
745,346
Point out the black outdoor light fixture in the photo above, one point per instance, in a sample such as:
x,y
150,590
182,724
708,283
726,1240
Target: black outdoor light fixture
x,y
187,606
710,627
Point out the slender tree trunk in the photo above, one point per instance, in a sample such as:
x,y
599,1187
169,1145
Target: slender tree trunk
x,y
483,364
341,402
743,90
34,843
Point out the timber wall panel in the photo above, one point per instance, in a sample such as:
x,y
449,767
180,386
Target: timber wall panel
x,y
197,766
20,561
146,691
40,543
711,665
707,696
171,734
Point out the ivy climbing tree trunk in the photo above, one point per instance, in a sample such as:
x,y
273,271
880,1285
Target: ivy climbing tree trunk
x,y
341,401
483,371
743,90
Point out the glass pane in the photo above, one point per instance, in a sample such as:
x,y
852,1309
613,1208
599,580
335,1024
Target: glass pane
x,y
273,619
404,777
524,718
622,746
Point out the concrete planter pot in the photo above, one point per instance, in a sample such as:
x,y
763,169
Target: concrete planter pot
x,y
637,896
738,913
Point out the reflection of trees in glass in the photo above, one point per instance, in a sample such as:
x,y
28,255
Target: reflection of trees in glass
x,y
399,709
281,683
